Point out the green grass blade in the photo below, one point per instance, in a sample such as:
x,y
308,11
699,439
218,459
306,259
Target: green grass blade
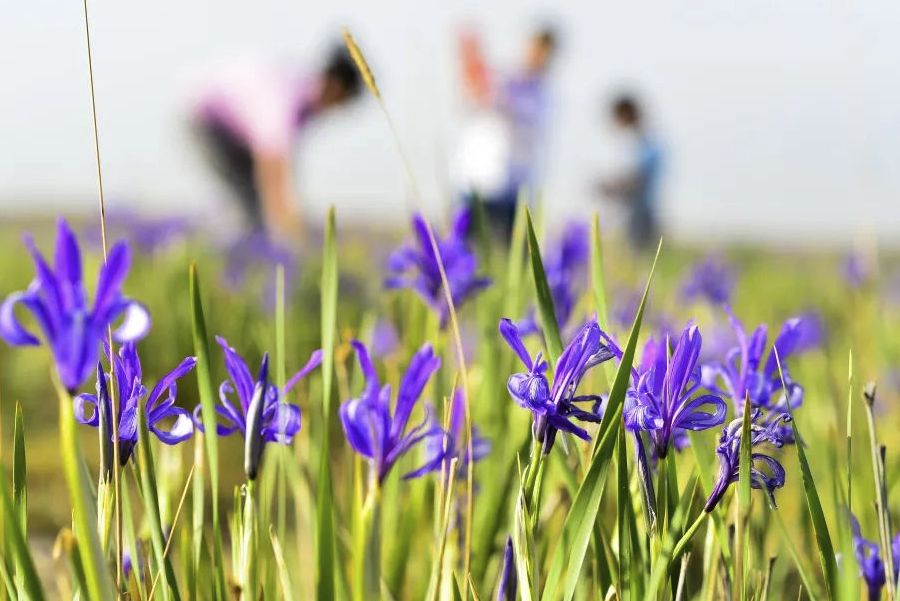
x,y
150,496
744,481
325,540
625,518
100,586
573,543
515,265
208,415
546,309
820,526
523,550
16,545
20,490
287,589
597,279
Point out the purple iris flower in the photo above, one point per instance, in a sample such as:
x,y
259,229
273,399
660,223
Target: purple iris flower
x,y
711,280
57,299
745,374
554,406
565,267
457,447
508,579
379,434
261,415
415,266
868,556
770,430
664,401
159,405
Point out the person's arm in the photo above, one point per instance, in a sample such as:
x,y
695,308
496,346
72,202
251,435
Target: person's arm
x,y
476,81
275,184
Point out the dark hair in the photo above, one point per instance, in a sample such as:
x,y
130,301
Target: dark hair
x,y
547,36
626,107
341,69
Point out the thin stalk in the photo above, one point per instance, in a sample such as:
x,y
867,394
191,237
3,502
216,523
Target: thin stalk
x,y
114,401
250,544
880,493
367,548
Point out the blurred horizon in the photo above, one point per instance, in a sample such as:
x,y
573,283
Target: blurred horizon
x,y
780,123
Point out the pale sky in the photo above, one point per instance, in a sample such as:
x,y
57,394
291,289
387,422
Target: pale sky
x,y
781,119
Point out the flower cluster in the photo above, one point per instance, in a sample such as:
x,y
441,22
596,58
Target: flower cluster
x,y
665,399
415,266
766,472
261,415
744,374
379,433
160,404
72,327
554,406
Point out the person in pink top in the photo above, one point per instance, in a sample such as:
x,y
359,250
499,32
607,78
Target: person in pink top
x,y
248,120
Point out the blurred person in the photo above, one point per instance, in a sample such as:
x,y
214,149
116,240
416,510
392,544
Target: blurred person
x,y
249,118
502,147
635,183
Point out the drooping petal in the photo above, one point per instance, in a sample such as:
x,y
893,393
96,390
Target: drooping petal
x,y
80,403
135,324
221,429
356,420
167,381
284,424
531,391
314,361
439,443
180,431
690,416
11,330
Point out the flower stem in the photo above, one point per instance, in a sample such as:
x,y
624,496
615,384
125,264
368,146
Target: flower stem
x,y
531,475
249,544
367,549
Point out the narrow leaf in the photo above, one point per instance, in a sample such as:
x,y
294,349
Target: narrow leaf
x,y
546,309
325,542
208,415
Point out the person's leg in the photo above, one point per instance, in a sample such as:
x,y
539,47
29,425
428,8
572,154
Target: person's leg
x,y
232,160
501,212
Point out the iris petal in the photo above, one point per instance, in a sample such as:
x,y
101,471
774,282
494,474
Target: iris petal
x,y
11,329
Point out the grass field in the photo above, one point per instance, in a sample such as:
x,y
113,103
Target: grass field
x,y
581,530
